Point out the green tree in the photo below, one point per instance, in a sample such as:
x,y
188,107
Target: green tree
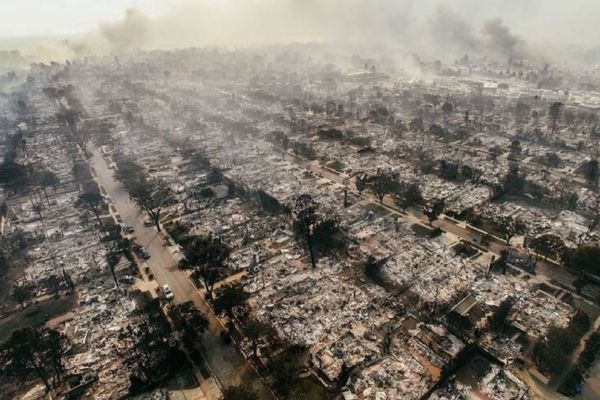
x,y
508,227
285,367
515,148
522,111
229,298
207,256
547,245
279,139
15,176
514,181
459,324
408,195
151,196
373,268
38,352
550,159
21,293
584,259
189,322
200,160
81,171
52,283
239,393
382,184
495,152
257,331
551,354
129,172
92,201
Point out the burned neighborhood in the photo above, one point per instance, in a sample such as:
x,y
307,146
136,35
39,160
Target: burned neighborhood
x,y
313,218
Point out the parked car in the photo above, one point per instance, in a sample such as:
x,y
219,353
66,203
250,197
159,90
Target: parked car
x,y
144,253
128,228
127,279
167,292
148,223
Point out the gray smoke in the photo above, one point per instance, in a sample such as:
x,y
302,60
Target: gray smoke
x,y
498,39
133,31
451,34
438,28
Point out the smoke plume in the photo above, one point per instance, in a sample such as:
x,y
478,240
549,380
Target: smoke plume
x,y
439,28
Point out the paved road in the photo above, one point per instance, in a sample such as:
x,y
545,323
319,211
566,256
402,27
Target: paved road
x,y
591,389
227,365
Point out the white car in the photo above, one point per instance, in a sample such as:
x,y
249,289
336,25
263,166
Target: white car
x,y
167,292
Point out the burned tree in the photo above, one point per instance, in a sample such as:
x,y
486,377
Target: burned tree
x,y
447,109
112,260
522,111
45,179
305,212
554,114
433,211
373,270
591,172
279,139
361,183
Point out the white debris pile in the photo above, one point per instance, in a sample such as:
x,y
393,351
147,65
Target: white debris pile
x,y
370,225
571,227
308,306
500,384
452,391
434,188
537,310
397,376
493,289
445,344
349,349
469,197
95,329
431,272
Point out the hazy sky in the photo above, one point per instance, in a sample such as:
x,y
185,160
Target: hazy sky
x,y
555,18
501,27
59,17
